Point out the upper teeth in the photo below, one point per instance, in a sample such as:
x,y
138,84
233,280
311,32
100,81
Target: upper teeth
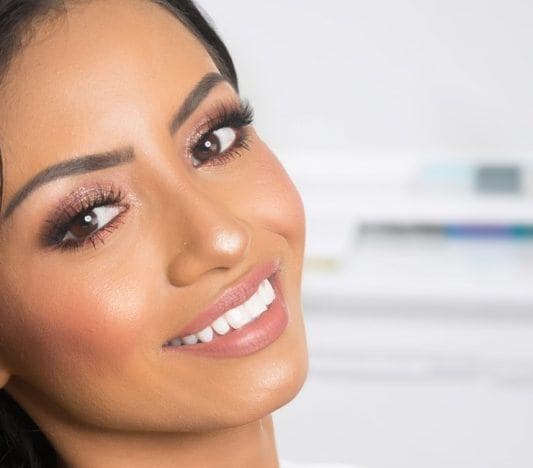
x,y
234,318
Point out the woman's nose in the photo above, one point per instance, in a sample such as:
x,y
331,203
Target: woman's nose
x,y
214,238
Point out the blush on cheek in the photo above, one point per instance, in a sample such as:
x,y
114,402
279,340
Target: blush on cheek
x,y
74,334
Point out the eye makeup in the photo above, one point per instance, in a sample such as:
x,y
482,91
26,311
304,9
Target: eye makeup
x,y
75,223
202,148
76,213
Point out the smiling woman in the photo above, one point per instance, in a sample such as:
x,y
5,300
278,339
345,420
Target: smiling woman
x,y
151,245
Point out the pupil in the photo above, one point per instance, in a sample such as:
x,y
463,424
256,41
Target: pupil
x,y
84,224
211,145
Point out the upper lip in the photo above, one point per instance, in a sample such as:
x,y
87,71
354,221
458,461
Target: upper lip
x,y
231,297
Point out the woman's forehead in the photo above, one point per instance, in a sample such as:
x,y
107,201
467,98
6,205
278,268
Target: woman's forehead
x,y
93,78
104,39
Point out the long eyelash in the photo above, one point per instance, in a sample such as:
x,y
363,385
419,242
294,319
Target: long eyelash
x,y
76,204
235,114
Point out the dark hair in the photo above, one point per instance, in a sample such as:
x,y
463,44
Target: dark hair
x,y
22,444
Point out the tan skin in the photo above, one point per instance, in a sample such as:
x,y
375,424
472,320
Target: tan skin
x,y
82,330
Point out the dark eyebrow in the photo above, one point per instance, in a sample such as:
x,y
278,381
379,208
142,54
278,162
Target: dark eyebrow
x,y
193,100
81,165
96,162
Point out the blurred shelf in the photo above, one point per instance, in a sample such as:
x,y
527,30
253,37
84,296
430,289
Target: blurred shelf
x,y
468,277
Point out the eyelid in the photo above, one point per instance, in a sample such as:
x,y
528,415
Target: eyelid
x,y
210,119
82,195
235,114
78,201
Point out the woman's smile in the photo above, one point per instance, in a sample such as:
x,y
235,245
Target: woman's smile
x,y
245,318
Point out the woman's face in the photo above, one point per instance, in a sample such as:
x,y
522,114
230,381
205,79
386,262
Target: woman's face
x,y
174,226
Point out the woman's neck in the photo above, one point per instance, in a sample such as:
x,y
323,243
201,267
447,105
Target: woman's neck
x,y
252,445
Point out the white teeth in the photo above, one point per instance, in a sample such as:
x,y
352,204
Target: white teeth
x,y
221,326
234,318
175,342
255,305
267,291
206,335
238,317
190,339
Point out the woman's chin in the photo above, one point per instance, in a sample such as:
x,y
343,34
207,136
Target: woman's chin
x,y
266,386
261,400
269,379
280,385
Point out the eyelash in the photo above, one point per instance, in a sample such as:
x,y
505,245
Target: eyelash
x,y
76,205
236,115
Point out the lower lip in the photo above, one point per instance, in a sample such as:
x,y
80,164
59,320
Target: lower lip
x,y
249,339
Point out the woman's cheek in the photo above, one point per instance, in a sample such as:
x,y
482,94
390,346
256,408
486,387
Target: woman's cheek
x,y
274,201
78,328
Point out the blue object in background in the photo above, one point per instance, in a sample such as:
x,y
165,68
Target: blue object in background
x,y
498,179
489,231
448,230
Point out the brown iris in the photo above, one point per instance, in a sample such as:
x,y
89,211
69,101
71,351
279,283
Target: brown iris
x,y
208,147
84,224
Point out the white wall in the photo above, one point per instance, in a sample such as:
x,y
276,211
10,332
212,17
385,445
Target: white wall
x,y
422,77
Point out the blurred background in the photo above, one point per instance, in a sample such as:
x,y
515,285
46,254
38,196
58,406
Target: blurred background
x,y
407,126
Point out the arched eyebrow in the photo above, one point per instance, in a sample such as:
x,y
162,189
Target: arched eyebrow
x,y
98,161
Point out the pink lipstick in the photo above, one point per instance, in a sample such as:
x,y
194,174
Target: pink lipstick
x,y
247,317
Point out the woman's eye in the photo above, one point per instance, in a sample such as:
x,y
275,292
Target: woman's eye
x,y
90,221
215,143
